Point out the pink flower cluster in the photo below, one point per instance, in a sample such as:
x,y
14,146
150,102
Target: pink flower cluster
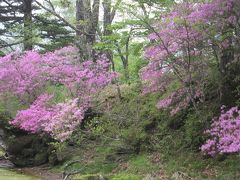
x,y
176,101
81,78
30,72
57,120
225,134
28,75
183,46
65,119
33,118
21,73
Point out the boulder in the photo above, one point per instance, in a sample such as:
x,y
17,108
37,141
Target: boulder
x,y
28,150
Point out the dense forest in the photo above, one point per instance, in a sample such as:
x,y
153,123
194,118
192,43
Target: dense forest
x,y
120,89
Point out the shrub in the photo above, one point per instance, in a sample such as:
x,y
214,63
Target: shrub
x,y
224,133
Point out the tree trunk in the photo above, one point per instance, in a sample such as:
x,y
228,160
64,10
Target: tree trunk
x,y
27,8
87,22
226,86
107,21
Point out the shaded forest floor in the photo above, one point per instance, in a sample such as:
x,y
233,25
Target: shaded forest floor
x,y
98,162
130,139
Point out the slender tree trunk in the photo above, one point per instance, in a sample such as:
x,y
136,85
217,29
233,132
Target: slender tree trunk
x,y
27,8
226,87
87,17
107,21
108,16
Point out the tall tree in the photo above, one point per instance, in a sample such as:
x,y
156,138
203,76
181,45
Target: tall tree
x,y
14,13
10,16
23,26
87,17
109,14
27,20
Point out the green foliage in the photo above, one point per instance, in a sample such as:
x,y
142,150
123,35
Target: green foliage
x,y
52,34
10,104
195,125
125,177
161,2
141,164
2,153
132,139
2,53
59,91
58,148
135,64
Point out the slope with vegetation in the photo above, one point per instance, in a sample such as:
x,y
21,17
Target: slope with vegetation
x,y
127,107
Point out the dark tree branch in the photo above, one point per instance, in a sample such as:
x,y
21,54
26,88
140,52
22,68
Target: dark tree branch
x,y
114,9
9,45
58,16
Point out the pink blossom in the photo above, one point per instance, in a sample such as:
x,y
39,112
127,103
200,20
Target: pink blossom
x,y
225,133
28,75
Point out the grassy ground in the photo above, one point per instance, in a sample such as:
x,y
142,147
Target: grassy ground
x,y
13,175
152,165
169,147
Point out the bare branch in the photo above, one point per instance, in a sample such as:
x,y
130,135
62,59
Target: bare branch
x,y
58,16
9,45
115,7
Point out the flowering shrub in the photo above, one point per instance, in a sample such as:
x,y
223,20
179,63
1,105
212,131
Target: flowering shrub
x,y
81,79
65,118
177,54
33,118
188,37
59,121
21,73
27,75
224,133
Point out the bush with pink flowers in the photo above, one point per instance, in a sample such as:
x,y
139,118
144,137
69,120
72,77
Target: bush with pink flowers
x,y
27,75
224,133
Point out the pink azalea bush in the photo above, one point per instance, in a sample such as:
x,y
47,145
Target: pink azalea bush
x,y
64,67
224,133
22,74
58,120
181,41
33,118
28,75
189,39
65,118
177,54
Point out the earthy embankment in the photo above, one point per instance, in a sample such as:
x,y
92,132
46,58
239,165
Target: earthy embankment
x,y
40,172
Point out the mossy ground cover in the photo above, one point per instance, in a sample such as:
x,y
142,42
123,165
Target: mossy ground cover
x,y
132,139
6,174
168,146
158,165
1,153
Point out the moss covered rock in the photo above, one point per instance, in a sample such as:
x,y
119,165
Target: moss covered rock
x,y
28,150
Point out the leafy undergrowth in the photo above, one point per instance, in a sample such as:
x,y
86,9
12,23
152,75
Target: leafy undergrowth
x,y
152,165
132,139
1,153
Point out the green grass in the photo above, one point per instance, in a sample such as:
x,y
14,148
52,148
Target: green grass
x,y
141,164
1,153
135,64
13,175
10,104
125,177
